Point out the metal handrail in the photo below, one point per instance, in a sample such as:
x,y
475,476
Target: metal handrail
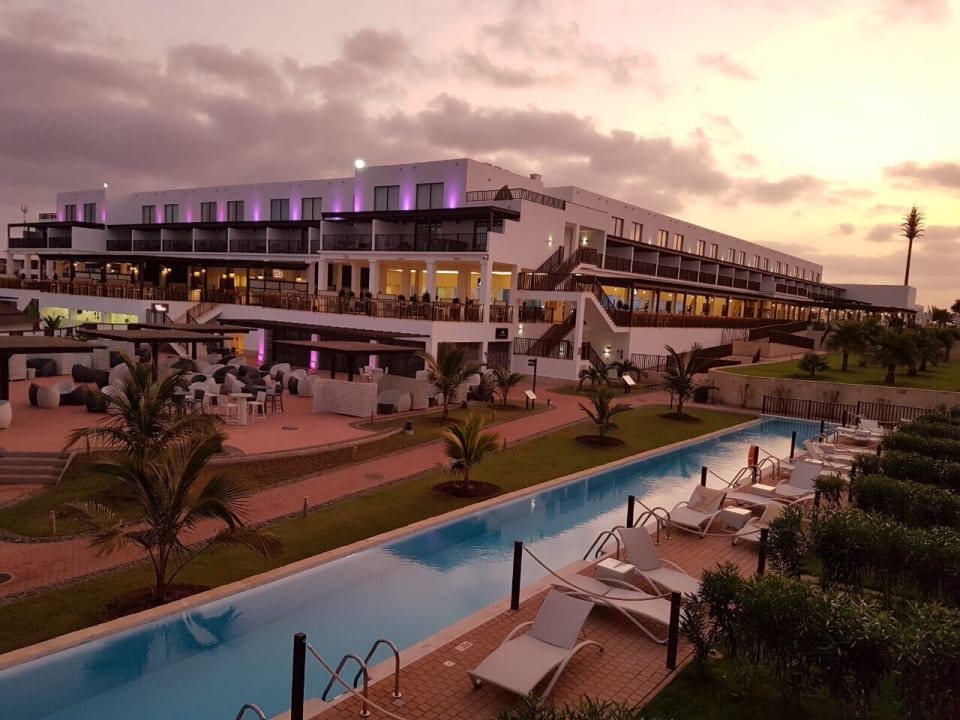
x,y
605,535
250,706
364,711
396,668
661,520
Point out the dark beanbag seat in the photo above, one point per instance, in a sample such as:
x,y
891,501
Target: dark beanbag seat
x,y
96,402
219,375
32,394
77,396
101,378
144,354
81,373
44,367
265,368
186,364
293,385
116,358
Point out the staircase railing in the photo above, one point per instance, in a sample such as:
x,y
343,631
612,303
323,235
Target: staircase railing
x,y
553,337
199,310
593,357
552,280
553,262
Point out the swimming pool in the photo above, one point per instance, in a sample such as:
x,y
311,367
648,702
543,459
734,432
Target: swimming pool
x,y
209,661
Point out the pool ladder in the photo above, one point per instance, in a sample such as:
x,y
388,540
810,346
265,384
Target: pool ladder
x,y
660,514
255,709
364,672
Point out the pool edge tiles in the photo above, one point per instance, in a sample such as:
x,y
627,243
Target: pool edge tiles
x,y
83,636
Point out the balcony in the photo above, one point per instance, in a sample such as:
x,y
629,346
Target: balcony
x,y
210,245
123,244
501,313
178,245
617,263
504,194
644,268
668,272
27,242
148,244
248,245
289,246
445,242
690,275
725,281
536,314
347,242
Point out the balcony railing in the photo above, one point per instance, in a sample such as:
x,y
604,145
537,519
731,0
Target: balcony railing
x,y
347,242
149,244
725,281
668,272
529,346
516,194
210,245
691,275
119,244
536,314
446,242
27,243
644,268
617,263
289,246
708,279
248,245
178,245
501,313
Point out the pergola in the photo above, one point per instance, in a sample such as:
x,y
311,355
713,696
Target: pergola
x,y
156,337
350,350
19,344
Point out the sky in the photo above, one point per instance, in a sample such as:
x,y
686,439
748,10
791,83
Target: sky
x,y
806,125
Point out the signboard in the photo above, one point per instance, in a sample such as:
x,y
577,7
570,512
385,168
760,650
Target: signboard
x,y
628,381
276,274
160,307
532,362
501,333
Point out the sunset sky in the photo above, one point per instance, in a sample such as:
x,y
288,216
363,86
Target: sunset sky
x,y
807,125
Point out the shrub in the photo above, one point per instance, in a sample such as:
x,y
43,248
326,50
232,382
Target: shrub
x,y
787,542
813,363
913,504
720,592
534,708
831,489
931,428
934,447
928,662
865,464
918,468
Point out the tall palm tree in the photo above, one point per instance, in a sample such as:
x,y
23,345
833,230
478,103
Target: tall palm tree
x,y
595,376
175,497
929,347
678,379
504,381
448,371
467,445
603,410
948,337
142,421
891,349
845,338
912,227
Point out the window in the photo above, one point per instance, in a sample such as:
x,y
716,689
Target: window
x,y
310,208
89,212
171,213
662,237
235,210
208,212
429,196
677,241
714,250
731,255
741,258
280,209
148,214
618,227
817,277
766,264
756,261
779,267
637,232
386,197
69,213
701,247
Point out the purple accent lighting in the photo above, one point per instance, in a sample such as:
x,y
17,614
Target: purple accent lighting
x,y
60,216
189,214
406,196
219,214
256,212
103,215
260,349
313,354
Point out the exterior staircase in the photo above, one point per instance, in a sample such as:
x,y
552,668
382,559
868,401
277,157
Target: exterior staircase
x,y
32,468
553,337
559,278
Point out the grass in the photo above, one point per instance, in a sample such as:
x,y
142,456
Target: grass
x,y
945,376
730,691
39,617
31,518
587,391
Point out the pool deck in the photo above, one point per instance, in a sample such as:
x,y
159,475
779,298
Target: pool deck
x,y
631,669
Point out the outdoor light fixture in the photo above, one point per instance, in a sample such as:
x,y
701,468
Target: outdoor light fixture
x,y
550,240
584,241
105,186
359,164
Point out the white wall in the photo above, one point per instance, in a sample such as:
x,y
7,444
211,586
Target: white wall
x,y
899,296
650,341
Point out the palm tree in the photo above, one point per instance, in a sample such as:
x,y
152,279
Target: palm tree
x,y
955,308
603,410
142,422
448,371
175,497
947,337
929,347
891,349
596,376
912,227
813,363
628,367
845,338
941,316
466,446
504,381
678,379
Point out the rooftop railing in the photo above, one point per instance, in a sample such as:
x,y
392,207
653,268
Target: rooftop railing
x,y
516,194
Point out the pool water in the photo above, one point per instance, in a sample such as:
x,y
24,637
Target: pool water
x,y
207,662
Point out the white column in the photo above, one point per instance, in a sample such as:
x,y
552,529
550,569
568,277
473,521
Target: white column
x,y
322,272
311,278
355,278
374,277
463,283
405,282
486,286
431,286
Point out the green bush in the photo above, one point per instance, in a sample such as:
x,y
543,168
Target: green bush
x,y
931,428
928,662
787,542
933,447
913,504
865,464
534,708
831,489
918,468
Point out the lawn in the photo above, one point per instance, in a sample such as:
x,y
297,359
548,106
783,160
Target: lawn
x,y
945,376
39,617
31,518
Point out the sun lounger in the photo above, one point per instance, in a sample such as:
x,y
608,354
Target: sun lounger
x,y
635,605
663,575
751,531
697,513
523,661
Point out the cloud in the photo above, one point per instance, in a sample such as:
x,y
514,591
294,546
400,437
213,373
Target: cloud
x,y
724,65
776,192
922,11
376,50
843,229
243,70
936,174
748,160
478,66
721,127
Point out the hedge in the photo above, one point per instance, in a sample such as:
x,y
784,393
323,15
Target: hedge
x,y
912,466
934,447
913,504
931,428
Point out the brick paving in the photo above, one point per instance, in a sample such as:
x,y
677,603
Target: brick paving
x,y
39,565
631,668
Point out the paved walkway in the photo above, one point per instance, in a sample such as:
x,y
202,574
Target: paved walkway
x,y
39,565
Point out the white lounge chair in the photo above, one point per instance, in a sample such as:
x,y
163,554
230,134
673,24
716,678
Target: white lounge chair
x,y
697,513
663,575
802,481
751,531
523,661
832,460
635,605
